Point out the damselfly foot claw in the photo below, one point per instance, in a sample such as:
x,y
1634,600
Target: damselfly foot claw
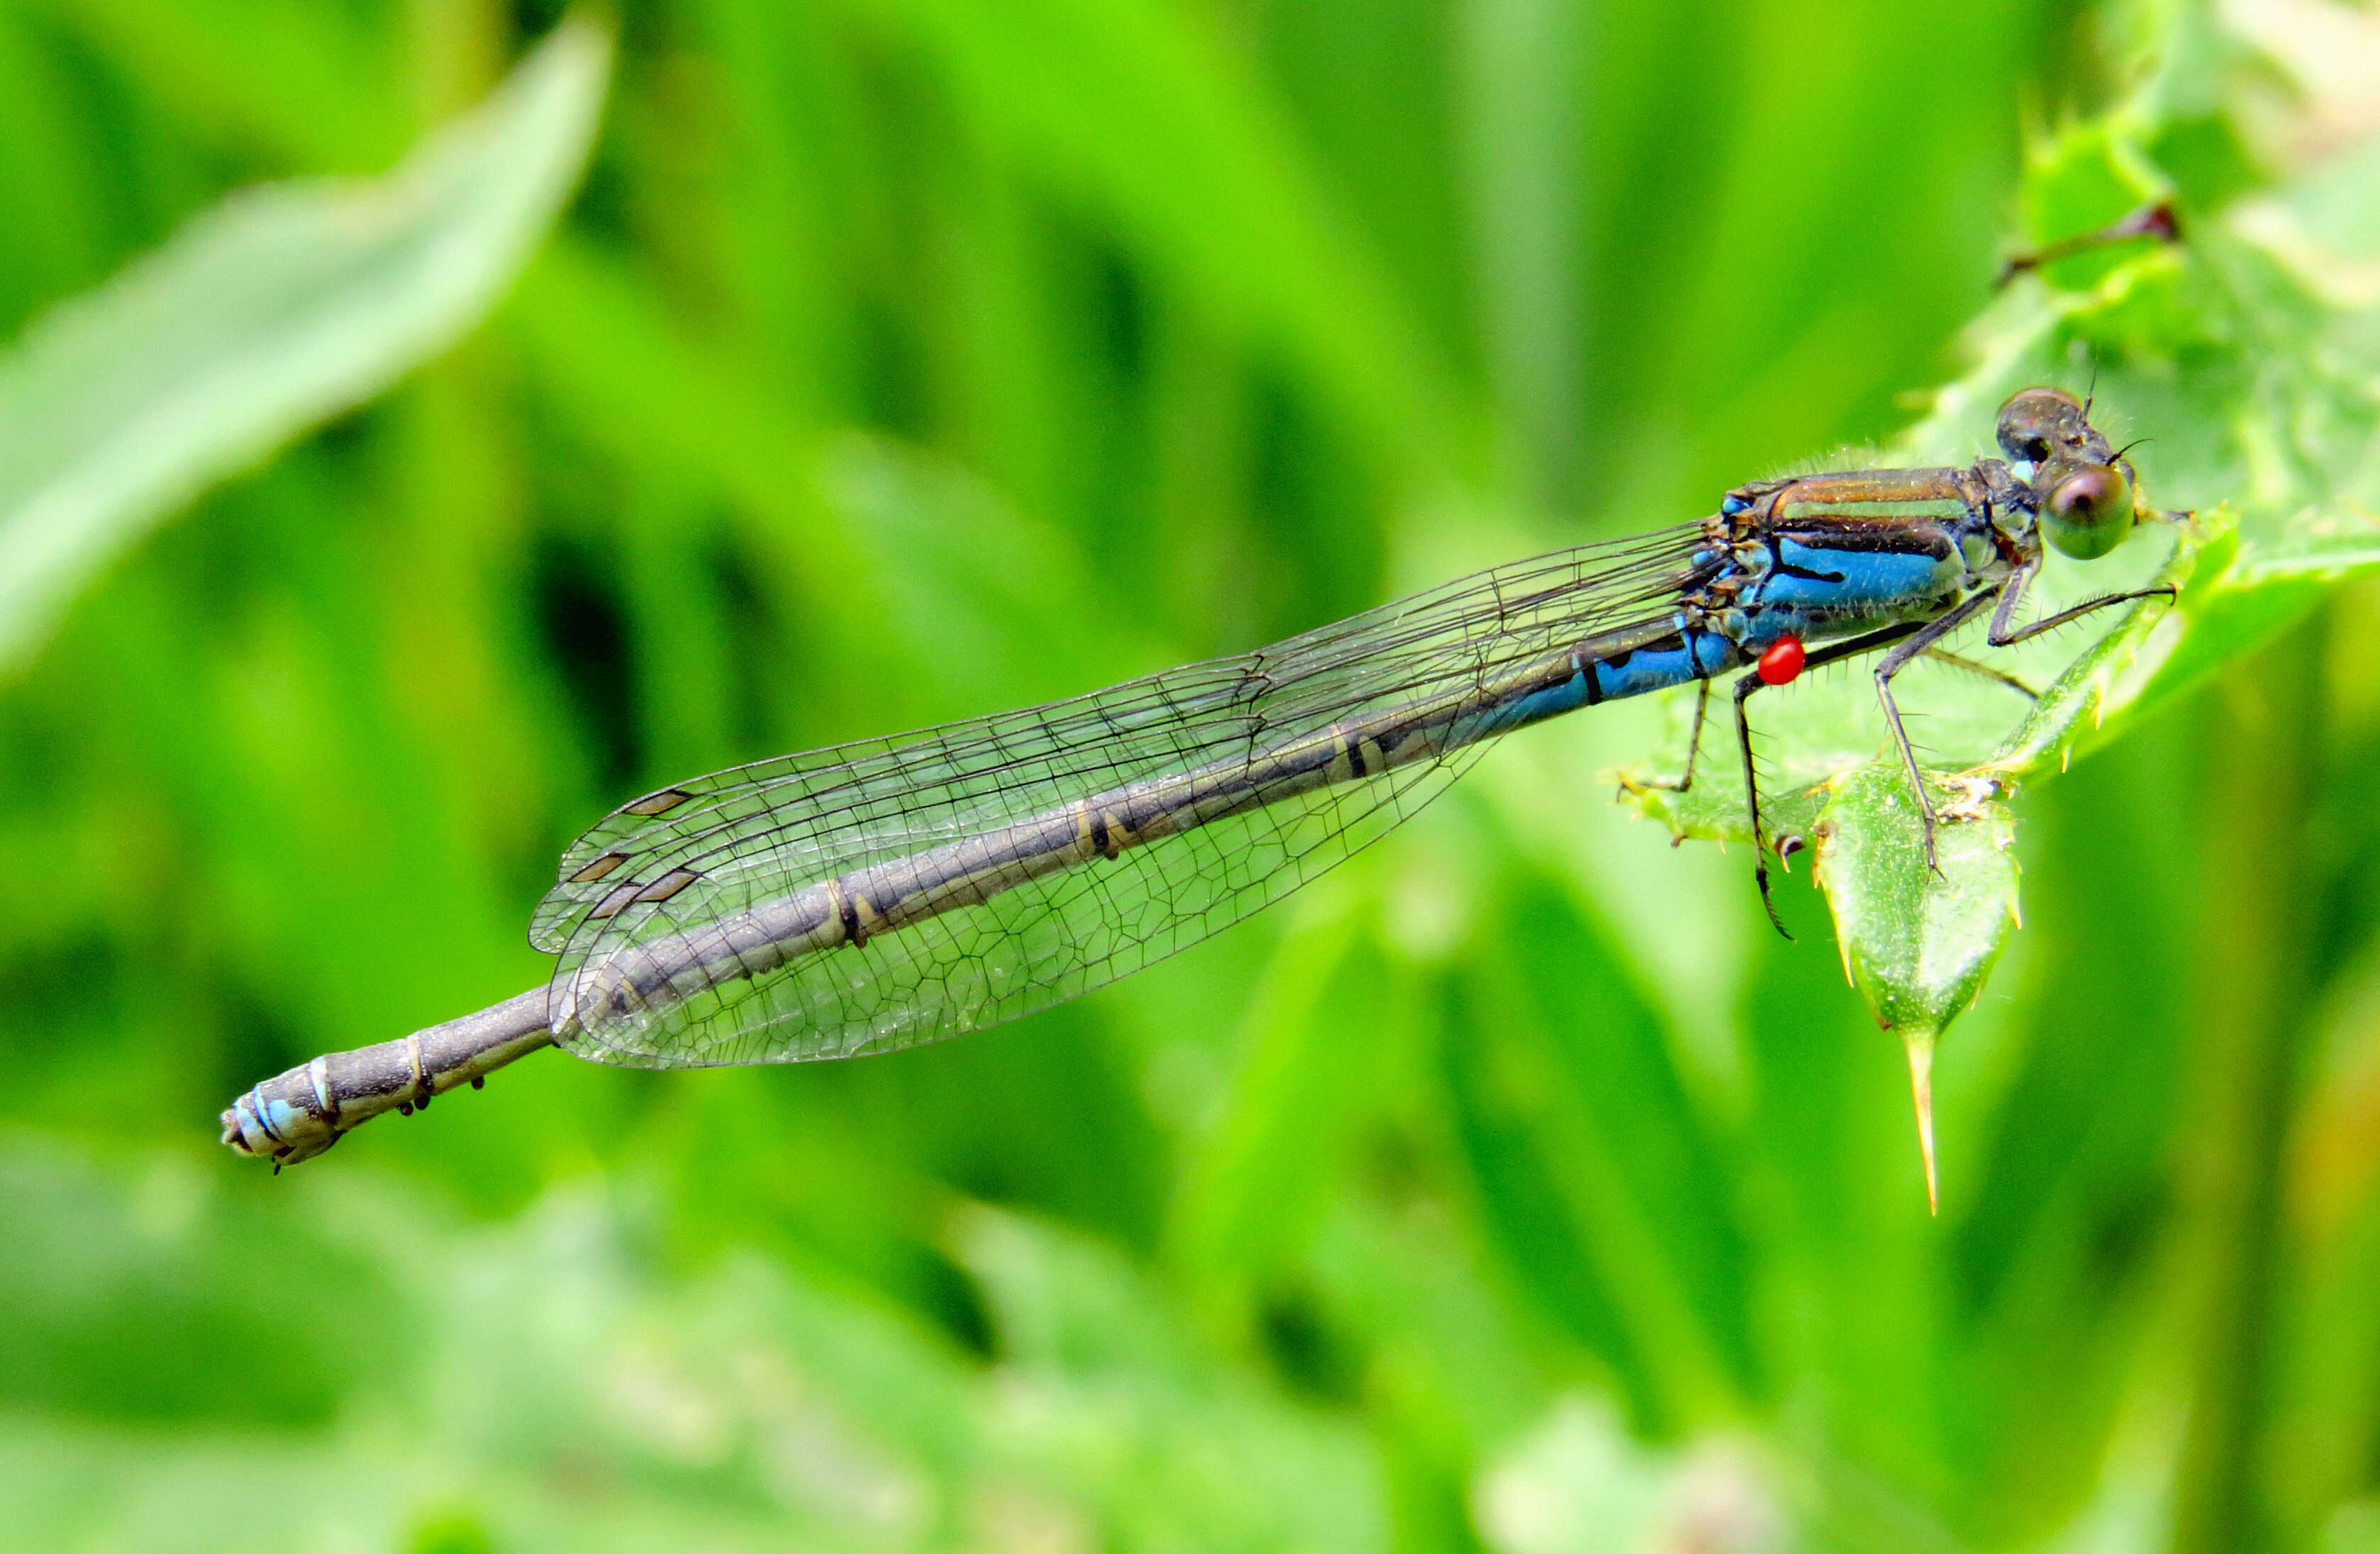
x,y
1768,902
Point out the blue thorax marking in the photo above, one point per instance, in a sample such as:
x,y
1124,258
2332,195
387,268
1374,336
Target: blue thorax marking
x,y
1818,592
1851,583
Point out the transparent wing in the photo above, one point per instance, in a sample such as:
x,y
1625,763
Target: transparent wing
x,y
695,899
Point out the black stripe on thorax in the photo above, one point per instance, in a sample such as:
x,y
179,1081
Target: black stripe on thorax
x,y
1931,536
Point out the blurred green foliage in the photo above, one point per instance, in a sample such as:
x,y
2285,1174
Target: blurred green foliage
x,y
1512,1188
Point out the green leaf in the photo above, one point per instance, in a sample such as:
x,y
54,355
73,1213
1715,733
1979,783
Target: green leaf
x,y
1917,938
280,307
1136,109
2248,361
1605,1193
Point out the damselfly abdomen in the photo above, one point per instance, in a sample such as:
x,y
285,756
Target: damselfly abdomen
x,y
878,895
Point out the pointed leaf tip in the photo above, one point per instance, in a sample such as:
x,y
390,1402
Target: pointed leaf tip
x,y
1918,942
1920,1047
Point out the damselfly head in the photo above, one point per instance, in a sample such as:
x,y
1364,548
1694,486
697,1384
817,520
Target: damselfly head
x,y
2081,488
2042,425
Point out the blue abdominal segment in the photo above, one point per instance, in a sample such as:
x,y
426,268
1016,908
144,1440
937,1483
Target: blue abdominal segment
x,y
1798,589
1695,654
1620,665
1535,707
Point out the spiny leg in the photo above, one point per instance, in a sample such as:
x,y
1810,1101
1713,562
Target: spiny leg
x,y
1744,686
1747,684
2002,633
1999,633
1960,660
1899,659
1908,641
1694,748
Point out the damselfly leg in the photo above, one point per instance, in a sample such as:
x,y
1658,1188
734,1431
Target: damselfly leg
x,y
1999,633
1983,671
1902,645
1684,782
1747,684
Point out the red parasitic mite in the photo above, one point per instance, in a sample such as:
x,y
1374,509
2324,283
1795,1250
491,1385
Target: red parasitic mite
x,y
1782,662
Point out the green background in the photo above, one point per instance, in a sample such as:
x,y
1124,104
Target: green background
x,y
1512,1188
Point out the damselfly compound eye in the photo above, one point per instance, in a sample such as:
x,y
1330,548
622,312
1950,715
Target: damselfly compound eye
x,y
2038,422
2089,512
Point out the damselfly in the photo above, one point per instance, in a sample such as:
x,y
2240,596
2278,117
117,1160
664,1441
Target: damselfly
x,y
878,895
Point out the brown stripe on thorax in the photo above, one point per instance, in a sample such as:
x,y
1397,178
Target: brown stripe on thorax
x,y
1868,509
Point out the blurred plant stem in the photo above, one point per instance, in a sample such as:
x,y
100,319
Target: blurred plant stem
x,y
2261,981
